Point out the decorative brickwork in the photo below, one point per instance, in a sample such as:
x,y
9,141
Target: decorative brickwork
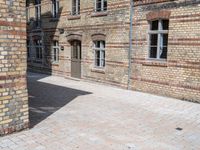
x,y
179,75
158,15
13,88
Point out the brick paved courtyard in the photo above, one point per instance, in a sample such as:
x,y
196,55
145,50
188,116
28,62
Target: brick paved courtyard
x,y
69,115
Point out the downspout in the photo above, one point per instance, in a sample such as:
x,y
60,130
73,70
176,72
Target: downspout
x,y
130,45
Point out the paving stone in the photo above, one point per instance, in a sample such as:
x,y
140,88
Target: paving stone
x,y
99,117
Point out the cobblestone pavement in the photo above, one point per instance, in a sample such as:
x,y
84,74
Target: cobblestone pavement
x,y
70,115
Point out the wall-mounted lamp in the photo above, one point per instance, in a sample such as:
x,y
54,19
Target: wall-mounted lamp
x,y
62,48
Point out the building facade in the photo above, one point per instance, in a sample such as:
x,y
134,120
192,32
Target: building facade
x,y
13,88
91,40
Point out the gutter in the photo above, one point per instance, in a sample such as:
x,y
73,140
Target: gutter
x,y
130,44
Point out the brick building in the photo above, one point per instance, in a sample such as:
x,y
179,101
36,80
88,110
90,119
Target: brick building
x,y
90,40
13,89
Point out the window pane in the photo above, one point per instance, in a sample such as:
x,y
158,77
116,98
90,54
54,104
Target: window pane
x,y
105,5
79,8
37,53
103,63
102,44
97,58
37,2
54,56
154,39
40,53
165,39
163,54
154,25
97,44
98,5
97,55
97,62
153,52
165,24
102,58
163,46
103,54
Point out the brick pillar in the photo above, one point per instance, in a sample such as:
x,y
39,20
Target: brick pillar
x,y
13,86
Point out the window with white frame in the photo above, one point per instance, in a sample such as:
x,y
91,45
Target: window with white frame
x,y
100,5
38,50
37,9
55,8
55,52
99,50
37,12
158,39
75,7
27,11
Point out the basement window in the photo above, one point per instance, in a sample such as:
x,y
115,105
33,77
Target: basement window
x,y
100,5
99,50
158,39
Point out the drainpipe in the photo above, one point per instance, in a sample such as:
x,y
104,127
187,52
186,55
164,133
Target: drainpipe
x,y
130,44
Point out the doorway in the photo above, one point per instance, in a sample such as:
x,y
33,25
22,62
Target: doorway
x,y
76,59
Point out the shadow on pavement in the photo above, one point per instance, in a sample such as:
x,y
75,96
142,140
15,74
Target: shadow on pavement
x,y
45,99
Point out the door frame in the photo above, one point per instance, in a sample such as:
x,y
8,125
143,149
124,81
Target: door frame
x,y
76,59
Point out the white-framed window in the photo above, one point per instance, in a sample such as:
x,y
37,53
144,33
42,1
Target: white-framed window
x,y
27,11
75,7
100,5
55,52
37,9
38,13
38,50
27,14
55,8
158,39
99,50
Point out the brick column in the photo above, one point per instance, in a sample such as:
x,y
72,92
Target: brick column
x,y
13,86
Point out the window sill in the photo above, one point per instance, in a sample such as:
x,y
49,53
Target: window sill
x,y
54,20
98,70
99,14
74,17
155,63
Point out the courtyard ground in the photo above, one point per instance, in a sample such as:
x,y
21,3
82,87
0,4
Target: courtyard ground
x,y
71,115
